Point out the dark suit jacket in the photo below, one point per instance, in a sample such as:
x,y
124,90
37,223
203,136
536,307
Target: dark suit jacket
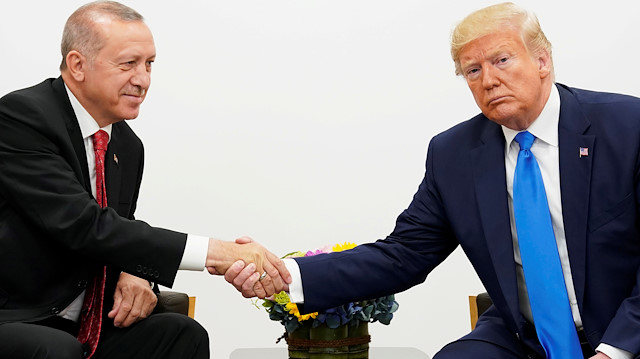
x,y
53,234
463,201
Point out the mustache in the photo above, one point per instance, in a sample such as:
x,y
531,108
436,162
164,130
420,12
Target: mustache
x,y
135,91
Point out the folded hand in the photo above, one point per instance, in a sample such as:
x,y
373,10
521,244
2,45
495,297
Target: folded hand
x,y
133,300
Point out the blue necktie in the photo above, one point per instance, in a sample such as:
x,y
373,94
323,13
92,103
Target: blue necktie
x,y
540,260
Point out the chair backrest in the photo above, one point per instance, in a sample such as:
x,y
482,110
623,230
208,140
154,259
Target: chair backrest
x,y
478,304
192,307
176,302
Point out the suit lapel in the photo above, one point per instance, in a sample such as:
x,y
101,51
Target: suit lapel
x,y
575,181
113,171
491,191
73,129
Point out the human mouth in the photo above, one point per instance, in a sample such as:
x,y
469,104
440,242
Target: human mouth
x,y
496,100
135,99
136,95
136,92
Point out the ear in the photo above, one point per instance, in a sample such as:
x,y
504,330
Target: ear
x,y
76,65
544,62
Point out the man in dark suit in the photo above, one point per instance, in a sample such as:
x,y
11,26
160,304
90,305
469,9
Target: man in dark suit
x,y
55,238
587,145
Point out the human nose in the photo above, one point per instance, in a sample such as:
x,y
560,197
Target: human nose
x,y
489,77
142,77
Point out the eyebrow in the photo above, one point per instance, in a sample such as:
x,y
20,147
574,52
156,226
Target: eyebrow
x,y
503,48
134,55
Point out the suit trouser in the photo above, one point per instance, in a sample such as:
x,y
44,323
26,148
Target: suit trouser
x,y
462,349
166,335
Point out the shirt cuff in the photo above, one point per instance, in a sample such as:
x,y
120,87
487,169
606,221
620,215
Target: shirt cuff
x,y
613,352
296,294
194,256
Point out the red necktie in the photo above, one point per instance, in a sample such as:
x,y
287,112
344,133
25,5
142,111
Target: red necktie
x,y
91,320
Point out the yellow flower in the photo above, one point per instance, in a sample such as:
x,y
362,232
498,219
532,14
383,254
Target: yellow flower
x,y
293,309
343,247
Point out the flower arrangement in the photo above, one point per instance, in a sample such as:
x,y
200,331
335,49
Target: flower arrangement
x,y
281,309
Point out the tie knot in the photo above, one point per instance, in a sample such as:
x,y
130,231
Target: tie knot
x,y
525,139
100,140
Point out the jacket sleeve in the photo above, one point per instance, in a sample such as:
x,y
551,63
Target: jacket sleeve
x,y
421,240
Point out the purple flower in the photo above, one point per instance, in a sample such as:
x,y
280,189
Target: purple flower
x,y
325,249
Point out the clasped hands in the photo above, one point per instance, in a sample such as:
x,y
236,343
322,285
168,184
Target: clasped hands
x,y
244,264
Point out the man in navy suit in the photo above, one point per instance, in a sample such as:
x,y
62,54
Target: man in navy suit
x,y
587,145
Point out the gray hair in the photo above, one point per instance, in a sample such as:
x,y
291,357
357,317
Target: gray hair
x,y
81,32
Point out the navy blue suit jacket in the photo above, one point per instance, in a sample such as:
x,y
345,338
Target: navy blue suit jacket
x,y
463,201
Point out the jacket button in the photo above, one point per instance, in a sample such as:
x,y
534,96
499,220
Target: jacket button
x,y
156,274
139,268
82,284
55,310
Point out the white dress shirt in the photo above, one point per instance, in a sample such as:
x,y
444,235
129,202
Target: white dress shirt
x,y
195,252
546,151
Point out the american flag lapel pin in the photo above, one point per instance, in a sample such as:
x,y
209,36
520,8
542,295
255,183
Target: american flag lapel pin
x,y
115,158
584,152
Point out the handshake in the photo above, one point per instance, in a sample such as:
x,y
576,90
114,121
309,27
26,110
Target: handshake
x,y
248,266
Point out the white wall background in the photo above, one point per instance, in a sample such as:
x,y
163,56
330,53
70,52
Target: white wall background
x,y
305,123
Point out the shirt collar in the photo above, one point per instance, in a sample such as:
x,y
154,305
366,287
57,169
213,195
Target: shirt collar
x,y
545,127
88,126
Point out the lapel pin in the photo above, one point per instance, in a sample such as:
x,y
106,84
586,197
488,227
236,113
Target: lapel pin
x,y
115,158
584,152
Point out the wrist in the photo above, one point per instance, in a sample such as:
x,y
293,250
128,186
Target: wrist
x,y
219,255
212,249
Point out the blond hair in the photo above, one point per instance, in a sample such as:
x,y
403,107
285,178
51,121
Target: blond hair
x,y
493,19
81,32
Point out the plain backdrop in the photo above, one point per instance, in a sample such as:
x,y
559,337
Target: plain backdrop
x,y
305,122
